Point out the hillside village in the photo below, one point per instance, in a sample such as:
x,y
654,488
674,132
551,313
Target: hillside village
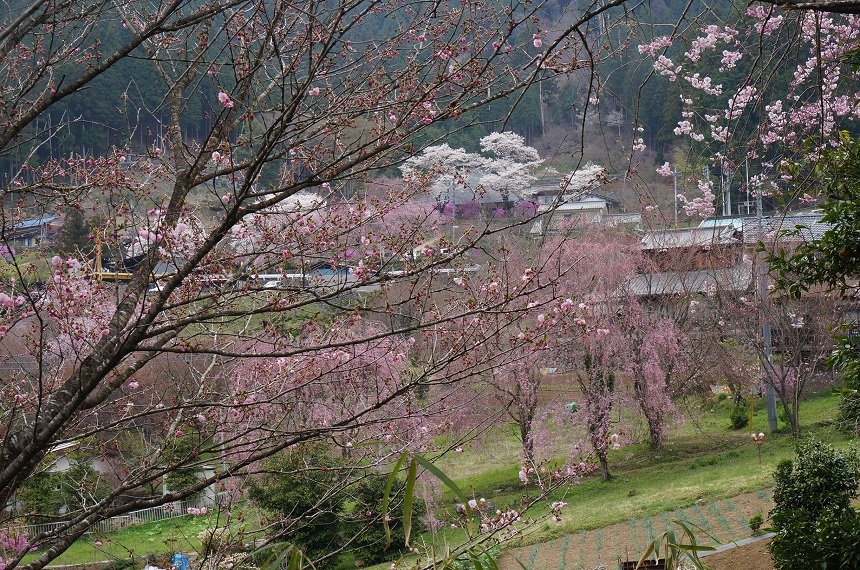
x,y
429,285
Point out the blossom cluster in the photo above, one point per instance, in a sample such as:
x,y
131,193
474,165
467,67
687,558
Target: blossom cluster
x,y
821,95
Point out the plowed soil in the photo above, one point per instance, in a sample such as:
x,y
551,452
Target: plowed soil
x,y
724,520
753,556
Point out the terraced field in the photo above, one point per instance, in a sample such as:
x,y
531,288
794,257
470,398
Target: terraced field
x,y
724,520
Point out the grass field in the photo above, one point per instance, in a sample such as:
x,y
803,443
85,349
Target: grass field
x,y
696,476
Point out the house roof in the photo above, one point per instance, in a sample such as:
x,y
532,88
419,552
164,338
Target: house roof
x,y
736,223
34,223
577,206
634,218
689,237
809,227
736,279
63,446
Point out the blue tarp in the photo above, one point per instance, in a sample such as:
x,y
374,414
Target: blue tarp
x,y
180,561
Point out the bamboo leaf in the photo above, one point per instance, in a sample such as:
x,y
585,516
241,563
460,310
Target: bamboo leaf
x,y
408,495
647,553
386,499
451,485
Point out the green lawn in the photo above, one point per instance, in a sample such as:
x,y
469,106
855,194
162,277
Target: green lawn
x,y
702,462
154,540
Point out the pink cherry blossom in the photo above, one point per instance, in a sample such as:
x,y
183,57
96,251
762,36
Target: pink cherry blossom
x,y
225,99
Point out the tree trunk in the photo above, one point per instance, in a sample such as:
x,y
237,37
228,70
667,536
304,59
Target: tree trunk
x,y
605,475
598,433
528,440
656,436
653,416
794,423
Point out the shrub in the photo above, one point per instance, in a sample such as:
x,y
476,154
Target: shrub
x,y
740,415
159,559
184,454
219,539
846,358
816,527
755,523
299,485
13,539
43,495
849,411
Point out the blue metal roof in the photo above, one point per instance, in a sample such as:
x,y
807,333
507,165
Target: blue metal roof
x,y
35,223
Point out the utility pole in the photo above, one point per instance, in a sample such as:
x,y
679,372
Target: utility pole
x,y
726,186
767,361
540,106
675,184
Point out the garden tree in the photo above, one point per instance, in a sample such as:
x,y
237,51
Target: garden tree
x,y
518,382
364,523
73,238
510,382
737,366
814,520
324,386
597,380
47,493
697,287
184,450
654,354
830,262
601,262
302,487
802,339
327,93
588,269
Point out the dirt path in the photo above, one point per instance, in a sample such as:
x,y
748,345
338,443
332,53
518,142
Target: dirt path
x,y
726,520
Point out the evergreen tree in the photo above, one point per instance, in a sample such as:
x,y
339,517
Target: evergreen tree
x,y
74,234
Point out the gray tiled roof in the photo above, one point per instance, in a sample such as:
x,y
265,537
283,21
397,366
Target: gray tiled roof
x,y
737,279
809,228
689,237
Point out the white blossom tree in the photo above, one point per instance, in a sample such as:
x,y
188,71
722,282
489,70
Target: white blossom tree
x,y
455,171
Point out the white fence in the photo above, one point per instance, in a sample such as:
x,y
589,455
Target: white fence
x,y
143,516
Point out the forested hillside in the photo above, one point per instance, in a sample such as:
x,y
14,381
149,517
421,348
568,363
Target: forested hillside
x,y
129,97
